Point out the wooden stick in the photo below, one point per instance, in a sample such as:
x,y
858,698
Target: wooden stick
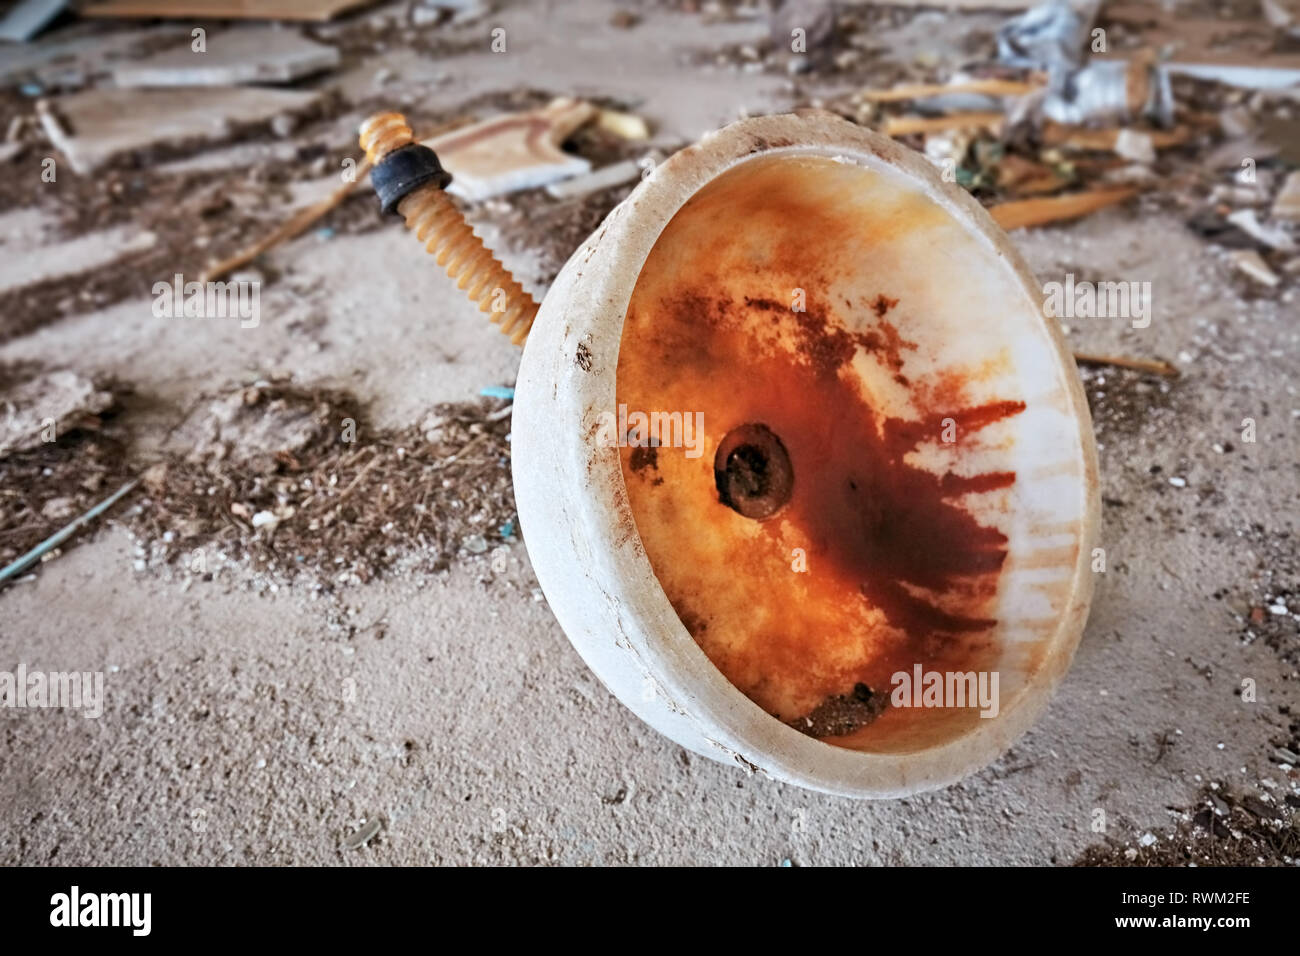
x,y
291,227
1080,137
918,91
300,221
1155,366
905,125
1020,213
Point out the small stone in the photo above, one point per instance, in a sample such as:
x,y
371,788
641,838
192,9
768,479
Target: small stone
x,y
284,125
1178,482
425,16
265,519
1148,839
1287,204
475,544
1252,264
1130,854
1136,146
57,509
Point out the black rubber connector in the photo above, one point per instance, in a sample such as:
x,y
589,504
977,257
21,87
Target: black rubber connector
x,y
404,170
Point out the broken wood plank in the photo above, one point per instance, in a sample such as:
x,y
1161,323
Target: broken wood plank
x,y
906,125
1104,140
515,151
1240,52
94,126
616,174
316,11
1022,213
291,227
962,4
919,91
1154,366
29,18
250,54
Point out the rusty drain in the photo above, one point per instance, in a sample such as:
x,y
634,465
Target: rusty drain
x,y
752,471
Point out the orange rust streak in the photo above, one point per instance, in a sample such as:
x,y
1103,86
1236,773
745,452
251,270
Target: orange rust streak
x,y
900,569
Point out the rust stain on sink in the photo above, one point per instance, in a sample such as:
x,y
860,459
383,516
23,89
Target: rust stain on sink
x,y
899,569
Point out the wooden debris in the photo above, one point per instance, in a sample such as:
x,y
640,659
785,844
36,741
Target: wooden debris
x,y
251,54
1287,204
907,125
917,91
964,4
623,125
1252,264
1080,137
291,227
1154,366
363,836
1023,213
95,126
303,219
316,11
616,174
29,18
1240,52
512,152
1025,177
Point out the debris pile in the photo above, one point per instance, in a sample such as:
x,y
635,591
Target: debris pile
x,y
294,482
1225,827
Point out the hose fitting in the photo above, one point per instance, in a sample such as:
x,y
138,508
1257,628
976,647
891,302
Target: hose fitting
x,y
410,181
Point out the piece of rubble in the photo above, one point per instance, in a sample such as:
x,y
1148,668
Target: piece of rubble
x,y
623,125
513,152
363,836
616,174
310,10
1241,52
908,125
1048,37
1251,263
232,57
259,426
46,405
29,18
1135,146
1271,236
73,63
95,126
1287,204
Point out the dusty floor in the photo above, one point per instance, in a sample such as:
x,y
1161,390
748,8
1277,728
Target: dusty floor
x,y
252,721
